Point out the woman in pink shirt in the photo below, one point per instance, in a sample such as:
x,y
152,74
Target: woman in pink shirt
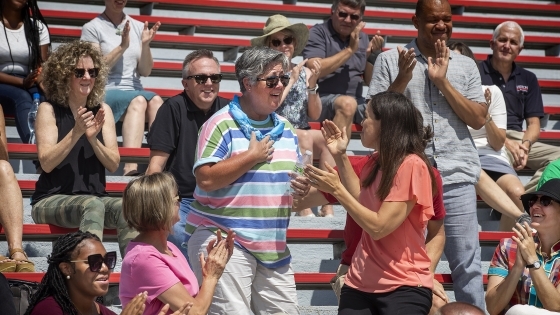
x,y
390,270
156,266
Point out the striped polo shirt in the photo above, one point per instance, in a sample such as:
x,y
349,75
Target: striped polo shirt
x,y
257,205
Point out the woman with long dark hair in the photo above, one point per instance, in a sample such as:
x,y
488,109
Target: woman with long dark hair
x,y
390,270
24,46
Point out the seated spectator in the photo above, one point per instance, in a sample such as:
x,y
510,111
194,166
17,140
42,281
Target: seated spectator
x,y
550,172
78,273
245,154
76,143
11,211
156,266
525,269
523,99
174,133
489,141
459,308
125,44
24,42
390,270
300,99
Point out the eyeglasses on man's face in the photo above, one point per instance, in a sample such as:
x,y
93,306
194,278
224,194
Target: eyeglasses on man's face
x,y
203,78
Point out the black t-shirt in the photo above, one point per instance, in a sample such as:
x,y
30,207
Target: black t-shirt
x,y
175,131
521,93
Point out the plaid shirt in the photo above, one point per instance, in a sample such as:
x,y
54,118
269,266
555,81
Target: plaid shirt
x,y
452,147
525,293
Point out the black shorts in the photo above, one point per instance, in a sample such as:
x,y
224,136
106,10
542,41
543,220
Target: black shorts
x,y
404,300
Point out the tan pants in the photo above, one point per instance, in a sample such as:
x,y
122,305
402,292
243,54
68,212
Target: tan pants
x,y
338,280
539,156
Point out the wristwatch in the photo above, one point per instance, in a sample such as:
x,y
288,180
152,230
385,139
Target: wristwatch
x,y
536,265
313,90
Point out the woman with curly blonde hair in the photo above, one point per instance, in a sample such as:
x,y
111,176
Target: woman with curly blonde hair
x,y
76,142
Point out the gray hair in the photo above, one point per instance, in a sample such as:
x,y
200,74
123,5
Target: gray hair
x,y
511,24
255,61
354,4
195,55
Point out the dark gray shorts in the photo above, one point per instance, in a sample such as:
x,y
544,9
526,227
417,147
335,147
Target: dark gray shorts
x,y
327,101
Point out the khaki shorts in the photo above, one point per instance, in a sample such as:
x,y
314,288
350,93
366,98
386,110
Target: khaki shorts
x,y
338,280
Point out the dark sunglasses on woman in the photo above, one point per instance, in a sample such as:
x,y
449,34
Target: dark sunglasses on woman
x,y
203,78
272,82
344,15
96,261
544,201
80,72
286,40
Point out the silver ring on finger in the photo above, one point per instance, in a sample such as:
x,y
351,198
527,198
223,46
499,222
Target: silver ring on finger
x,y
522,239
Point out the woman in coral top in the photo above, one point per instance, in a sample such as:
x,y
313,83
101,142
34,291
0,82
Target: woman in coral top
x,y
389,273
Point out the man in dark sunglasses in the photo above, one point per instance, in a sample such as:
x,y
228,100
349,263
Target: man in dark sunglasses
x,y
342,48
173,135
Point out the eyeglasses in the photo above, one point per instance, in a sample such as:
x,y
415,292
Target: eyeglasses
x,y
344,15
544,201
272,81
286,40
80,72
203,78
96,261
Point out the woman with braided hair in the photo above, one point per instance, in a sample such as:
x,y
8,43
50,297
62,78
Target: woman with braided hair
x,y
24,46
78,272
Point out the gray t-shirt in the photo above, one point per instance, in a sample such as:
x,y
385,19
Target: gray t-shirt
x,y
124,74
18,62
347,79
452,147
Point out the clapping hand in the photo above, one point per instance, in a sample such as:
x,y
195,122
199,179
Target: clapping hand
x,y
437,69
138,304
488,96
327,181
125,35
355,37
337,140
407,62
315,69
376,43
525,243
96,124
219,251
83,120
149,34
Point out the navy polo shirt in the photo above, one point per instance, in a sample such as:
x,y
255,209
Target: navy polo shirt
x,y
521,92
325,42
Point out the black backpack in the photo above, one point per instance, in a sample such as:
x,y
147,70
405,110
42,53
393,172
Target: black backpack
x,y
22,292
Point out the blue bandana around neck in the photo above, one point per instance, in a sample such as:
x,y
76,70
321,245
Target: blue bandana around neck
x,y
245,126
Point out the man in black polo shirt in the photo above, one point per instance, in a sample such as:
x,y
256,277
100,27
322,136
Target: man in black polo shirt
x,y
174,133
523,98
342,48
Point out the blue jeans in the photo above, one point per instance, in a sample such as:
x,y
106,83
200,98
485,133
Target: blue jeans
x,y
462,247
178,236
17,102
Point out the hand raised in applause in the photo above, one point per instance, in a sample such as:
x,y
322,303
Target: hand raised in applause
x,y
149,34
96,124
315,69
437,69
219,251
138,304
83,120
327,181
407,62
376,43
525,243
337,140
355,37
263,150
125,36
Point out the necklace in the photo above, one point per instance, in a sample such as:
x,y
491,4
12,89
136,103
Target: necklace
x,y
118,30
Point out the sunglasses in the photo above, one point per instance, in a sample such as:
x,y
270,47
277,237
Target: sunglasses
x,y
96,261
544,201
80,72
286,40
203,78
344,15
272,81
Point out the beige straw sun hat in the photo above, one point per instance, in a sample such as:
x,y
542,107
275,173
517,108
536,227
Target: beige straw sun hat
x,y
278,22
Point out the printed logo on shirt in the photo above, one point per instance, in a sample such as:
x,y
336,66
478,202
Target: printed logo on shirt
x,y
522,88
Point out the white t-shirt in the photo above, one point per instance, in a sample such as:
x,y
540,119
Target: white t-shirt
x,y
498,112
124,74
18,48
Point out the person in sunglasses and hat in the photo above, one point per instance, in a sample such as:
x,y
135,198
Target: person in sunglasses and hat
x,y
244,158
300,101
524,274
174,133
76,145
